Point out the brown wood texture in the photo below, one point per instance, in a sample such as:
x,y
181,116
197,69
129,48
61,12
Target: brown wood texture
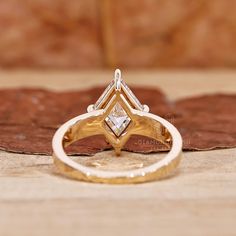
x,y
199,200
27,115
129,33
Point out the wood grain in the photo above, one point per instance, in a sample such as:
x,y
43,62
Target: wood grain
x,y
199,200
105,33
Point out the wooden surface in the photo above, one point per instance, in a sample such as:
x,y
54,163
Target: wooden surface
x,y
199,200
104,33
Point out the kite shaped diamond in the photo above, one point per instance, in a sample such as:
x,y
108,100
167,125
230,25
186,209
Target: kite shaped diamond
x,y
118,120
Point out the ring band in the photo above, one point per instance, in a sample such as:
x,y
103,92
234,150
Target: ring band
x,y
117,115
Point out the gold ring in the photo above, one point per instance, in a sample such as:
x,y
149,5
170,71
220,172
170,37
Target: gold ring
x,y
117,115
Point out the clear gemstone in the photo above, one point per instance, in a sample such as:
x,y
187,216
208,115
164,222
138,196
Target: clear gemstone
x,y
131,94
118,120
104,95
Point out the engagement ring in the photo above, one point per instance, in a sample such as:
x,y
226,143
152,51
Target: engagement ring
x,y
117,115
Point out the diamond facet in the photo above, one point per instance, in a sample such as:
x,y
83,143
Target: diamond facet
x,y
104,95
118,120
129,92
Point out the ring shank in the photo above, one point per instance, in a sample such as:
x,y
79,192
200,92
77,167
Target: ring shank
x,y
90,124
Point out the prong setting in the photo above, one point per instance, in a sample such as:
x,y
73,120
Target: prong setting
x,y
117,78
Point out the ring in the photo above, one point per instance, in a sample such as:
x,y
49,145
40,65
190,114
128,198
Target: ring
x,y
117,115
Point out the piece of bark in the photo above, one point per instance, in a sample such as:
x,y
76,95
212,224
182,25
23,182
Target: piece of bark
x,y
207,122
29,118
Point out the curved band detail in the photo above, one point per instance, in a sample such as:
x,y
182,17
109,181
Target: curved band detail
x,y
149,125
